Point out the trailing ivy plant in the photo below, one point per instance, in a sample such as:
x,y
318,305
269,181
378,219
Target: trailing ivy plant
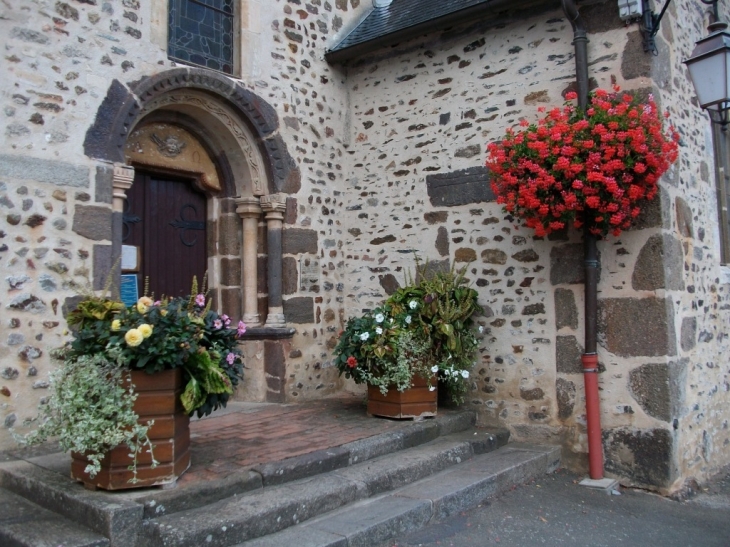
x,y
90,410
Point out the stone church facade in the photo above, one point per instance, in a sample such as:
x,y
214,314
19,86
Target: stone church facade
x,y
321,180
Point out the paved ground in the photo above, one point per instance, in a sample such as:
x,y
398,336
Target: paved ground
x,y
556,511
251,434
246,434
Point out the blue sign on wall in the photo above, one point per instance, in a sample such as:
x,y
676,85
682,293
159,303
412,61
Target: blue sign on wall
x,y
129,289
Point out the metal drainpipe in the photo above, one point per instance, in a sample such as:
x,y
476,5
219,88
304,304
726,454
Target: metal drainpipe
x,y
590,357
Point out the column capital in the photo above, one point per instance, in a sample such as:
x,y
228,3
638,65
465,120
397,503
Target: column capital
x,y
121,182
123,176
248,207
274,204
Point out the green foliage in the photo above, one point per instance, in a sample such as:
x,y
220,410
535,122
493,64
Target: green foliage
x,y
156,336
424,328
90,410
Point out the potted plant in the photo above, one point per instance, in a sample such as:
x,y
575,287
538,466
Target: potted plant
x,y
130,379
423,334
596,168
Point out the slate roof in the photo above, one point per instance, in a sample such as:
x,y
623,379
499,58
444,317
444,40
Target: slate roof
x,y
400,15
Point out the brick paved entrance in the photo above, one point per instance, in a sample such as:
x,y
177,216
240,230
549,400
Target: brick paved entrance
x,y
247,434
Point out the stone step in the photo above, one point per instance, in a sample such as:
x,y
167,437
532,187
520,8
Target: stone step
x,y
113,517
25,524
119,515
275,508
409,508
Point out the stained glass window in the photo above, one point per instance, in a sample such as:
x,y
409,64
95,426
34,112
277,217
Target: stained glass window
x,y
201,32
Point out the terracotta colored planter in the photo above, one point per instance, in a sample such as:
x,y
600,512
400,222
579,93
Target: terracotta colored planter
x,y
413,403
159,400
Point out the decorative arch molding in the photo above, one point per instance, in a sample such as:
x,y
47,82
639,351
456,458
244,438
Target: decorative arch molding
x,y
123,107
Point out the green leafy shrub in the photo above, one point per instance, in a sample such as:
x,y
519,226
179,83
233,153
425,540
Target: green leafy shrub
x,y
425,328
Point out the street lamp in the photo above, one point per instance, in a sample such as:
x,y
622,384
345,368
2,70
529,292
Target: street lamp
x,y
709,69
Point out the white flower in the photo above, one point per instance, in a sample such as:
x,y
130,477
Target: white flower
x,y
379,330
481,329
364,336
408,319
435,369
413,304
379,318
465,373
432,388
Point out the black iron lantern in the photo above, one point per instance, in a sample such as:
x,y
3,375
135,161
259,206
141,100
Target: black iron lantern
x,y
709,69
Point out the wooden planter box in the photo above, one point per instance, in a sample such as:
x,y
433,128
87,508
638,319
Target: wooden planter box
x,y
158,399
413,403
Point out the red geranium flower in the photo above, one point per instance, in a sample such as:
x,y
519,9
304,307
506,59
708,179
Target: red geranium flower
x,y
573,167
351,362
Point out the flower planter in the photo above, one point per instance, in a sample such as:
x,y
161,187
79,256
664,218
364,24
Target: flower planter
x,y
158,399
414,403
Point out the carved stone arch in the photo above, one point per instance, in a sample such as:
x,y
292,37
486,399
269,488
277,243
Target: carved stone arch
x,y
239,131
123,107
206,139
219,126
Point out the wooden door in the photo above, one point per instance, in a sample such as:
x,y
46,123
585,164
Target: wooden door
x,y
166,218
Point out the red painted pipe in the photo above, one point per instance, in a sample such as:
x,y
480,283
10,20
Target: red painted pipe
x,y
593,415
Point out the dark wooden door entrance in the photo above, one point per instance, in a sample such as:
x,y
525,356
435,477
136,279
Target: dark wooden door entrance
x,y
166,218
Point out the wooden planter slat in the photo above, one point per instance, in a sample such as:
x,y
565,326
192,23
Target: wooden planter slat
x,y
413,403
159,400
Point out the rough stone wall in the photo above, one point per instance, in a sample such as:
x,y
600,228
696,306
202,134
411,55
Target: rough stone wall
x,y
312,102
699,372
422,114
390,153
59,60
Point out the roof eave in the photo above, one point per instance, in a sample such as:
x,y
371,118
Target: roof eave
x,y
483,12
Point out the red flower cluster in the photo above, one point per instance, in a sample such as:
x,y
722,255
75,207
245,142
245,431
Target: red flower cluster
x,y
595,168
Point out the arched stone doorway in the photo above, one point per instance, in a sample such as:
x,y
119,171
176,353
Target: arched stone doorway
x,y
207,129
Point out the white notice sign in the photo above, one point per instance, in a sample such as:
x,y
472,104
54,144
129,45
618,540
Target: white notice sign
x,y
130,258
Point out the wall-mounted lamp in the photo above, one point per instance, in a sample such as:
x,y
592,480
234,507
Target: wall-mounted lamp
x,y
709,69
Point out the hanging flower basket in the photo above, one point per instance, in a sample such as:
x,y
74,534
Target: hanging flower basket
x,y
596,168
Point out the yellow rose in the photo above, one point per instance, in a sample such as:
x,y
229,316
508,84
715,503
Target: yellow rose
x,y
133,337
163,313
116,325
145,329
143,304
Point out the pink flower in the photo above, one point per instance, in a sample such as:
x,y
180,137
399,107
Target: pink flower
x,y
217,324
241,328
200,300
231,358
226,320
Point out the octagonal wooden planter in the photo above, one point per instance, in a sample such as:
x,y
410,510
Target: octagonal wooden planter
x,y
416,402
158,399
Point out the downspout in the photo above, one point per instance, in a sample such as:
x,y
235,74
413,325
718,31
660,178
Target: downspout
x,y
590,357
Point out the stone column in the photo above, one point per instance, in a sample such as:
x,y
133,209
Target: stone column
x,y
121,182
249,210
274,205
